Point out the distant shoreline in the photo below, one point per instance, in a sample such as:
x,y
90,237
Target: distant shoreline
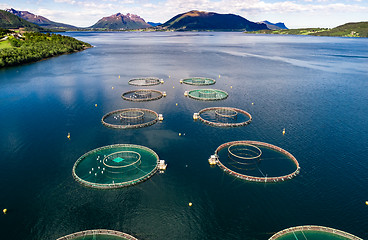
x,y
359,29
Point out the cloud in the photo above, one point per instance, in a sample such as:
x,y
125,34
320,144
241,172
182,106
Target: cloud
x,y
66,1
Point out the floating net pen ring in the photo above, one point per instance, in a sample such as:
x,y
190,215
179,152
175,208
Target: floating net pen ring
x,y
208,94
133,115
199,81
253,178
138,156
130,114
315,229
98,232
146,81
258,151
226,112
91,173
142,95
224,124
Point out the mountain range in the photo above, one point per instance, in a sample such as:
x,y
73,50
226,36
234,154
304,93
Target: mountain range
x,y
274,26
40,20
189,21
121,22
210,21
11,21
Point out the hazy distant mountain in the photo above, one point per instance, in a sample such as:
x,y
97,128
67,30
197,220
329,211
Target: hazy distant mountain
x,y
154,24
274,26
204,21
11,21
121,22
39,20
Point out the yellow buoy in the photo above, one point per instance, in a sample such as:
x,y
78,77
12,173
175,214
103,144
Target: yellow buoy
x,y
173,87
179,134
5,210
231,86
366,202
252,103
283,131
176,104
190,204
68,135
112,87
119,76
169,77
96,105
219,75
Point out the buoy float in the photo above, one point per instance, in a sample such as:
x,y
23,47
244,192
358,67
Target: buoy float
x,y
112,87
176,104
231,86
68,136
366,202
179,134
219,75
96,105
283,131
190,204
252,103
5,210
119,76
173,87
169,76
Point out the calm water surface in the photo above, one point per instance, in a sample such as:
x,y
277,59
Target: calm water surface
x,y
314,87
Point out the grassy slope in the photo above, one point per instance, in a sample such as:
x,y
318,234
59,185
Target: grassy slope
x,y
5,44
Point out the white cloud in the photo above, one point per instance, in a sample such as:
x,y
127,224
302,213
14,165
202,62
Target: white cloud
x,y
66,1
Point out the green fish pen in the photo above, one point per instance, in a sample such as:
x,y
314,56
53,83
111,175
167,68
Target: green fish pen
x,y
311,232
198,81
208,94
115,166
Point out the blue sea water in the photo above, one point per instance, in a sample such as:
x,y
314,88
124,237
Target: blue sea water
x,y
314,87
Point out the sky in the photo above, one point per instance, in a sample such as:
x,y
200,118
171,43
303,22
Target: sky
x,y
294,13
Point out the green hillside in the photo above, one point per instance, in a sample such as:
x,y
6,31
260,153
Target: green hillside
x,y
359,29
10,21
16,48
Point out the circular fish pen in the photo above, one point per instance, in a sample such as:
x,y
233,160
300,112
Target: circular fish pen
x,y
224,117
130,118
142,95
208,94
198,81
146,81
98,234
115,166
255,161
313,232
